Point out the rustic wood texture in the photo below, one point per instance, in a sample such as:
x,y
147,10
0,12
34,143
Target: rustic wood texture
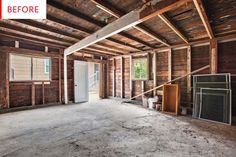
x,y
200,57
179,68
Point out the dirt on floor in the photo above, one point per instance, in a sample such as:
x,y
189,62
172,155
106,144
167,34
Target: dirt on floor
x,y
108,128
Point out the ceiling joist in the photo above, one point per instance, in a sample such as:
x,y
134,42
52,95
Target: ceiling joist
x,y
165,19
98,23
52,29
202,13
129,20
117,13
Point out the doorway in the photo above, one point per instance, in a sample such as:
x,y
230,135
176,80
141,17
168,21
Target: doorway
x,y
93,81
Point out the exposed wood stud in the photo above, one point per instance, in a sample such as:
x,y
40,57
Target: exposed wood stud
x,y
143,87
7,80
131,82
122,78
46,48
59,71
148,66
164,18
101,86
213,56
176,79
114,77
43,92
202,13
17,44
65,80
154,67
169,64
33,94
189,77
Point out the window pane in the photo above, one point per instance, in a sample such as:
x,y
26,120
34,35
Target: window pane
x,y
20,68
140,69
41,69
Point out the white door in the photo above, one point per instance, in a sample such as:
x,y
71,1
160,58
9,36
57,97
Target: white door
x,y
81,81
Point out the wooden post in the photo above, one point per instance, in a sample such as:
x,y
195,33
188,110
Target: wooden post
x,y
33,94
43,93
131,82
189,76
169,65
122,79
148,66
65,80
154,68
100,80
114,77
143,87
213,56
59,79
7,80
17,44
46,49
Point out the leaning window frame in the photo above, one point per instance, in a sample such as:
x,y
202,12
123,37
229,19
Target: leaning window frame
x,y
30,56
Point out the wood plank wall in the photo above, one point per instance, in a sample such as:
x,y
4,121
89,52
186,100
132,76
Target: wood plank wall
x,y
20,93
199,58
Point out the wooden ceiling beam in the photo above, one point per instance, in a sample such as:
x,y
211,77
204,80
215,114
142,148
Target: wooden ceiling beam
x,y
21,37
202,13
87,31
52,29
87,51
8,25
92,48
166,19
118,13
129,20
98,23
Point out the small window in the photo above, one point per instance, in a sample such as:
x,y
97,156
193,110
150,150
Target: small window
x,y
139,69
27,68
46,66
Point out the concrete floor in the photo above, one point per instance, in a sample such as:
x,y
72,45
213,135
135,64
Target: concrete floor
x,y
109,128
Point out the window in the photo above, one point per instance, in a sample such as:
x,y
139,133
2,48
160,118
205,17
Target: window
x,y
46,66
139,69
27,68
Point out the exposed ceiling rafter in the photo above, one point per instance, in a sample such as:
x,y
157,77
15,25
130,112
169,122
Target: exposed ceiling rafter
x,y
129,20
52,29
166,19
98,23
202,13
118,13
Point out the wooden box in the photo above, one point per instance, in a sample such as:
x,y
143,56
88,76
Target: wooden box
x,y
171,99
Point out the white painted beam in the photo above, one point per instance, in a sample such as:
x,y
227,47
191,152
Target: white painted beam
x,y
117,26
65,80
129,20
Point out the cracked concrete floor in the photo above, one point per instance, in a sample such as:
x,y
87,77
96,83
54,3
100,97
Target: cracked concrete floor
x,y
107,128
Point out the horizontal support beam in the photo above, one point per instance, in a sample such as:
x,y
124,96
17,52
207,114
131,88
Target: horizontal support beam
x,y
117,13
117,26
131,19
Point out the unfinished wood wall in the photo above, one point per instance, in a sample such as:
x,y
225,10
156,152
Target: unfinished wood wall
x,y
199,58
3,80
179,68
126,77
21,92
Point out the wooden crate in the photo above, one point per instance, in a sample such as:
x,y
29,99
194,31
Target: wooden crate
x,y
170,103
